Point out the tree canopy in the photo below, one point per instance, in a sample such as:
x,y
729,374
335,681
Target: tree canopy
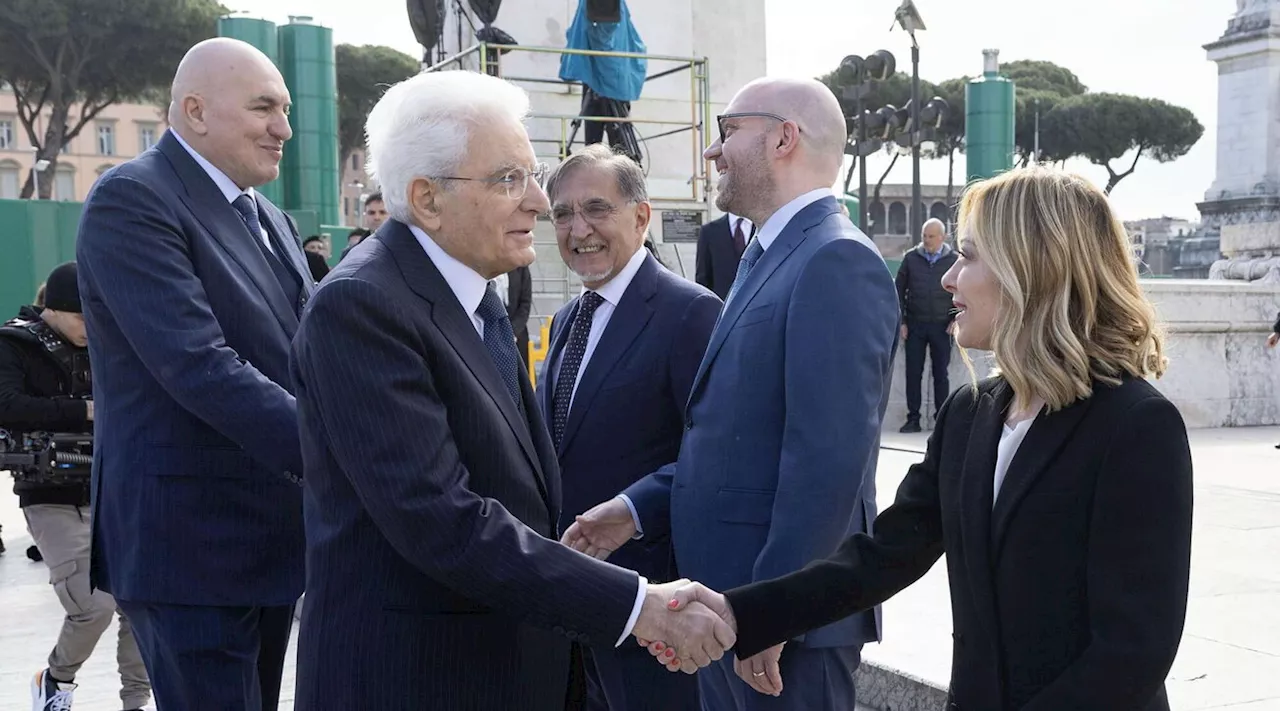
x,y
57,54
364,73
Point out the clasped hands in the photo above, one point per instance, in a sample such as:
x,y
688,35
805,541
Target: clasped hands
x,y
684,625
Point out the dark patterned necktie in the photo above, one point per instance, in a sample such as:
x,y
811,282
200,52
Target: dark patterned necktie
x,y
500,340
739,239
248,210
749,259
574,350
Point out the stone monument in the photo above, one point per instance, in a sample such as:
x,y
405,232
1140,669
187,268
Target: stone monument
x,y
1243,203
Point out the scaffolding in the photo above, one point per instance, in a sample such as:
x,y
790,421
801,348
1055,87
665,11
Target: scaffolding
x,y
485,57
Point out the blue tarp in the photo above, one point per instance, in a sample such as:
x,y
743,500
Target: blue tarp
x,y
620,78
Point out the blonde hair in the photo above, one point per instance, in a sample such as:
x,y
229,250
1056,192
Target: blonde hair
x,y
1071,310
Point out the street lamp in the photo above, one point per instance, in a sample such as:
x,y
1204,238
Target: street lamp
x,y
908,18
37,167
856,75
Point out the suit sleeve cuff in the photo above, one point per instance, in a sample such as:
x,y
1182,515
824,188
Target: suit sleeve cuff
x,y
635,517
635,611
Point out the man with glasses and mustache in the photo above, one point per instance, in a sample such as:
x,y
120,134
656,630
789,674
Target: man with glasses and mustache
x,y
622,359
435,580
782,426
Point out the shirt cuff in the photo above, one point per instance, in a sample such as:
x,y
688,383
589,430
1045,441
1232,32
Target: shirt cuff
x,y
635,611
635,517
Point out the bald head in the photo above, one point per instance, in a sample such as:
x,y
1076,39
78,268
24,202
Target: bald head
x,y
810,104
231,105
779,139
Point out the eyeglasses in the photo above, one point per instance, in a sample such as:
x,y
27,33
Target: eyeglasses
x,y
514,181
594,212
749,114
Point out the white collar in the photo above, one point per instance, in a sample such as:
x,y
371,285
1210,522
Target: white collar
x,y
466,284
229,189
739,220
613,289
779,220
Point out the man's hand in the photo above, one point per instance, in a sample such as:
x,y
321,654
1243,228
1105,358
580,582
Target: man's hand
x,y
903,331
688,596
602,530
692,626
761,672
1272,340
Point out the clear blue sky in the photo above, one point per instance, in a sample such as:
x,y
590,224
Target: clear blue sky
x,y
1145,47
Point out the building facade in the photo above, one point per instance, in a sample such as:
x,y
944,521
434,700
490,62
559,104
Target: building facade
x,y
118,133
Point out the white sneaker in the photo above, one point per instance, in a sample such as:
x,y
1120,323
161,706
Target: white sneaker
x,y
49,694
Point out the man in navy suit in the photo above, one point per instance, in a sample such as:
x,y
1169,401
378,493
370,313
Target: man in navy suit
x,y
434,577
783,424
622,360
721,243
192,284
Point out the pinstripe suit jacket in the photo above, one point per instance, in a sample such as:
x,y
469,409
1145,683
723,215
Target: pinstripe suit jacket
x,y
195,421
434,579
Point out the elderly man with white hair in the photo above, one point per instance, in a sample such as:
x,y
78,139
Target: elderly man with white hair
x,y
434,578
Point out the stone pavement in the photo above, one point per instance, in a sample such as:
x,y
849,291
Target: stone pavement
x,y
1230,655
1230,652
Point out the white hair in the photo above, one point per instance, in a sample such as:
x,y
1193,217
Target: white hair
x,y
420,127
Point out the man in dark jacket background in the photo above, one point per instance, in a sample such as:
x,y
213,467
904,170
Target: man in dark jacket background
x,y
927,315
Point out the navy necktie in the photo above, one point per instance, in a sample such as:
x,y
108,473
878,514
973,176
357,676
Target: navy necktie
x,y
500,340
248,209
749,258
574,351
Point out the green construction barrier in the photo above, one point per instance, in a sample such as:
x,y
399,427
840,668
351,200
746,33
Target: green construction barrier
x,y
35,237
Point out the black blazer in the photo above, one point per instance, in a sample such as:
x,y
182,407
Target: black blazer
x,y
716,264
1069,595
435,578
519,304
627,417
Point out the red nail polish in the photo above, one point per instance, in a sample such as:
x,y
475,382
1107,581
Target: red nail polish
x,y
659,646
673,603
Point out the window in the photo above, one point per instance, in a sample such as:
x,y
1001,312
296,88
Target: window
x,y
6,135
9,180
106,139
64,183
146,136
104,168
939,211
897,218
346,207
875,215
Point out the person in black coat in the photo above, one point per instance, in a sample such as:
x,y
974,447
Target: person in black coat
x,y
1068,552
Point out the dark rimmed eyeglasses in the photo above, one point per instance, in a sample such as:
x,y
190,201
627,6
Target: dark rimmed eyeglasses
x,y
514,181
749,114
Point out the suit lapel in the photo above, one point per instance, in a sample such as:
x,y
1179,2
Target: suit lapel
x,y
1038,450
792,236
976,487
203,198
628,320
426,281
285,241
560,327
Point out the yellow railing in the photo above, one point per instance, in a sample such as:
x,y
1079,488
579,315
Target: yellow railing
x,y
538,350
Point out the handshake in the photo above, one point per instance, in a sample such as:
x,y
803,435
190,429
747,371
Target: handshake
x,y
684,625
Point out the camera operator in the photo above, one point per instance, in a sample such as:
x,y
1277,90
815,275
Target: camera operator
x,y
45,387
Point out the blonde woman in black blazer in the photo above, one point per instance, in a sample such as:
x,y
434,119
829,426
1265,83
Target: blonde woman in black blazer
x,y
1068,552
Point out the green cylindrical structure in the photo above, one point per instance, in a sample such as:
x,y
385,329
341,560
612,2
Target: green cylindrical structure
x,y
989,121
851,204
260,34
310,170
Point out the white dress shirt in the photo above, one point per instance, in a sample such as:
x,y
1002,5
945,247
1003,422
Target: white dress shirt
x,y
229,189
611,292
779,220
1010,440
468,287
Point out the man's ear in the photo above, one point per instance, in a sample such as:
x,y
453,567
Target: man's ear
x,y
424,194
193,110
